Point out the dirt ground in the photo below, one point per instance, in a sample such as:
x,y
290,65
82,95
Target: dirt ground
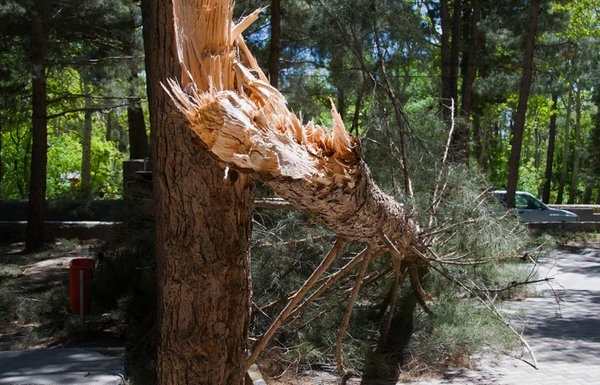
x,y
34,298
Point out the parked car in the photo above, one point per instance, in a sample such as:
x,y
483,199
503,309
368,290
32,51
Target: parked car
x,y
531,209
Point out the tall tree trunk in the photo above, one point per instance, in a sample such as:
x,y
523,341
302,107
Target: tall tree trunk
x,y
39,155
450,54
86,144
550,150
469,66
138,138
275,43
564,169
203,219
576,148
594,150
516,140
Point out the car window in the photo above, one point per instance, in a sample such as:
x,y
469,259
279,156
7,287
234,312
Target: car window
x,y
527,202
521,202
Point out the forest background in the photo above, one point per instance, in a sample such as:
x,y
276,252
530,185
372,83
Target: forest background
x,y
447,63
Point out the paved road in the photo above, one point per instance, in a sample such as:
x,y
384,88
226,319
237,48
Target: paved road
x,y
62,366
562,327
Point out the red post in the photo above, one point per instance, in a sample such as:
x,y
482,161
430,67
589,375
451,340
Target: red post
x,y
81,271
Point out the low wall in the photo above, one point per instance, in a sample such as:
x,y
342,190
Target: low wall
x,y
587,213
86,219
82,219
68,210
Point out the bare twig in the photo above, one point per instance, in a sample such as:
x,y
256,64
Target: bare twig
x,y
493,310
346,321
294,300
366,254
438,191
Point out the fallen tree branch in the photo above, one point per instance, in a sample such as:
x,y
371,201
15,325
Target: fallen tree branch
x,y
346,320
493,310
294,300
244,122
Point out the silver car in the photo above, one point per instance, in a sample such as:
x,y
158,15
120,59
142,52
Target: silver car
x,y
531,209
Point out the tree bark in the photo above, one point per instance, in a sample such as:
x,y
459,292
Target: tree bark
x,y
318,170
516,140
39,155
462,134
564,169
86,144
203,225
138,139
450,55
275,43
550,150
576,149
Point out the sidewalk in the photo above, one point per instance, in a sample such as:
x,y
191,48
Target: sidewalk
x,y
562,327
62,366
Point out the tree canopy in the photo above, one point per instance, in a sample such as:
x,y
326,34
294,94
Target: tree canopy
x,y
433,56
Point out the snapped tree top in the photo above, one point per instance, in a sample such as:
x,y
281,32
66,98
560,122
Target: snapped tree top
x,y
244,122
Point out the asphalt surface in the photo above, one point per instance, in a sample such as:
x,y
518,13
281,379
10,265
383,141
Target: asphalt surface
x,y
562,326
62,366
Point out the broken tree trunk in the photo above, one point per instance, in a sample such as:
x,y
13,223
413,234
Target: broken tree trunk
x,y
244,122
318,170
203,223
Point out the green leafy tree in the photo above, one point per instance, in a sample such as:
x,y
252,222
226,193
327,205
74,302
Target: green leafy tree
x,y
58,40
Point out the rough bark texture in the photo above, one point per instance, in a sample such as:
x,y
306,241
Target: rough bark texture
x,y
550,151
203,217
318,172
516,141
39,155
